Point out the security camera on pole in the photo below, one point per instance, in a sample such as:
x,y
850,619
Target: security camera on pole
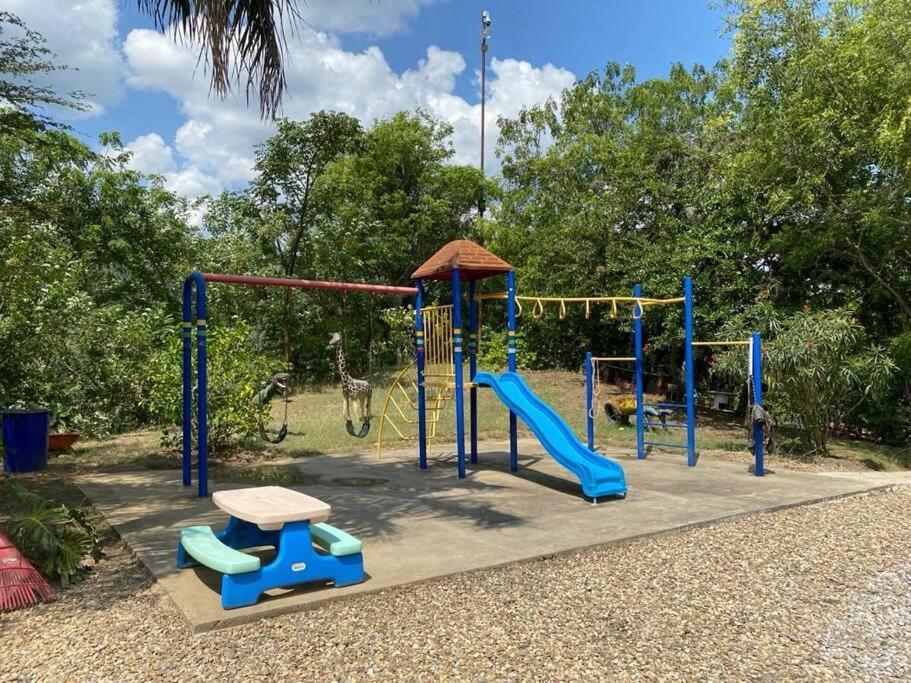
x,y
485,34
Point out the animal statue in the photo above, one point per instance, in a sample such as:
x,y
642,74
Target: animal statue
x,y
354,391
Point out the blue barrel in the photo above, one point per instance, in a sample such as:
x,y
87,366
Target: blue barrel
x,y
25,434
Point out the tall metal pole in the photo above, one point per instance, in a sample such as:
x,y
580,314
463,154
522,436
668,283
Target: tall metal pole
x,y
511,364
690,372
640,389
457,361
485,34
419,356
756,358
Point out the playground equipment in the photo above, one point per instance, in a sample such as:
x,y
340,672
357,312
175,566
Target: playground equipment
x,y
400,409
760,420
307,549
464,261
198,281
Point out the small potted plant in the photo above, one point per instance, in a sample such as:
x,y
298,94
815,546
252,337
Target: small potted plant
x,y
61,437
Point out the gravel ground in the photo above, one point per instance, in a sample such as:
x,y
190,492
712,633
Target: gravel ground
x,y
811,593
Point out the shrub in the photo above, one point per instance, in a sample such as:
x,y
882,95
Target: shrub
x,y
492,354
821,368
236,371
55,538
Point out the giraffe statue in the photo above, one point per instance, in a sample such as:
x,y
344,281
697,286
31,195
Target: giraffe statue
x,y
357,390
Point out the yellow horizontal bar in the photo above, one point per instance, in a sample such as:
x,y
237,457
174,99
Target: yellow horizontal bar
x,y
616,358
645,301
726,342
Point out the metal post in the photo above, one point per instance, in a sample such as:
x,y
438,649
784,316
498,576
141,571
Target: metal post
x,y
472,369
187,371
202,384
589,418
457,361
758,455
637,343
690,372
511,364
485,34
419,355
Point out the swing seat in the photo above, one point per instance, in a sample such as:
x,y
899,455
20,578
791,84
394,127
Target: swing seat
x,y
365,428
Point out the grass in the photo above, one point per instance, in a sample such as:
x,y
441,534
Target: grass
x,y
317,426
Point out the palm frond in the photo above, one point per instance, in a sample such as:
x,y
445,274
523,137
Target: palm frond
x,y
237,39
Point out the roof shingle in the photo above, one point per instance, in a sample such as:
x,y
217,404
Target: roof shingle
x,y
473,261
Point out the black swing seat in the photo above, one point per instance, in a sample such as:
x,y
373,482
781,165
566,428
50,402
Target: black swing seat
x,y
365,428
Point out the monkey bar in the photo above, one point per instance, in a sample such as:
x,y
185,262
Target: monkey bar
x,y
197,280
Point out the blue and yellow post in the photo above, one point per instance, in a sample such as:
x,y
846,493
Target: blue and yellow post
x,y
457,362
419,362
637,343
202,408
472,369
511,364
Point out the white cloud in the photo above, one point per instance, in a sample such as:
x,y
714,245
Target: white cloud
x,y
84,37
216,142
150,154
378,17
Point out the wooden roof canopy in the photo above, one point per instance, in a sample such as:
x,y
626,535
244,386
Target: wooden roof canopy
x,y
473,261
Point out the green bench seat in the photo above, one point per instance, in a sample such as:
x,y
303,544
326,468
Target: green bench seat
x,y
200,542
334,541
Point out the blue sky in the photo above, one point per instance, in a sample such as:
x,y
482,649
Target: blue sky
x,y
367,57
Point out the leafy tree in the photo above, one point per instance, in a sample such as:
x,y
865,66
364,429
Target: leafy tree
x,y
821,368
821,166
24,55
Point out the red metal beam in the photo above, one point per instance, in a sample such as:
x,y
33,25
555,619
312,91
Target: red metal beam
x,y
255,281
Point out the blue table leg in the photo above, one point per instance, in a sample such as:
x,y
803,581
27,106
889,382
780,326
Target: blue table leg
x,y
296,562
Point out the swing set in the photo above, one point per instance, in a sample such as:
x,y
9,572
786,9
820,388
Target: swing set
x,y
197,318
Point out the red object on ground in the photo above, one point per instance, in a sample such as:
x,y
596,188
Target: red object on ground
x,y
20,583
62,441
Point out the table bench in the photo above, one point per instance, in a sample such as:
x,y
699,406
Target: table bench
x,y
306,549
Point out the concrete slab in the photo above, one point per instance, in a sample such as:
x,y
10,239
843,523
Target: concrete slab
x,y
419,525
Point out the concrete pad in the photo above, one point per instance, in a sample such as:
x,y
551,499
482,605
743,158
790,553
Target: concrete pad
x,y
417,525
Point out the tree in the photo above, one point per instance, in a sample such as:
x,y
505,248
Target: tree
x,y
821,166
24,55
238,39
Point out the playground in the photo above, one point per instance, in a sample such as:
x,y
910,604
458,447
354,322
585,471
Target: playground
x,y
401,517
418,525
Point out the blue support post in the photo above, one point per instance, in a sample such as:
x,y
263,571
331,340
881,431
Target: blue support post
x,y
187,342
419,353
637,343
202,404
758,455
472,369
690,372
457,361
511,364
589,413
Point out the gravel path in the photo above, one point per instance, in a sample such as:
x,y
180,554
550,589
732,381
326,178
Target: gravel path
x,y
811,593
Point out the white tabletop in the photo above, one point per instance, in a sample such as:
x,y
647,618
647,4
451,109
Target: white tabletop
x,y
270,507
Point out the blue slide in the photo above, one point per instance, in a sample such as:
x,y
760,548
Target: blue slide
x,y
598,475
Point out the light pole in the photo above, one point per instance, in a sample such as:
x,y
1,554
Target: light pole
x,y
485,34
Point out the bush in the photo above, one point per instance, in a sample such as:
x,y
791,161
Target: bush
x,y
821,368
55,538
236,371
492,353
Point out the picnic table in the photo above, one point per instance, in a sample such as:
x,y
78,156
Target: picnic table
x,y
307,548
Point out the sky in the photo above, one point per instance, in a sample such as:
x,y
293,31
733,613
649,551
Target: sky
x,y
369,58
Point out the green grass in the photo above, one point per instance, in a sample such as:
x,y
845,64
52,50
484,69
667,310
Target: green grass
x,y
317,426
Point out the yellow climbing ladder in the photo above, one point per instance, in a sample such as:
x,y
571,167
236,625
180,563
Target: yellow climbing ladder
x,y
400,409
